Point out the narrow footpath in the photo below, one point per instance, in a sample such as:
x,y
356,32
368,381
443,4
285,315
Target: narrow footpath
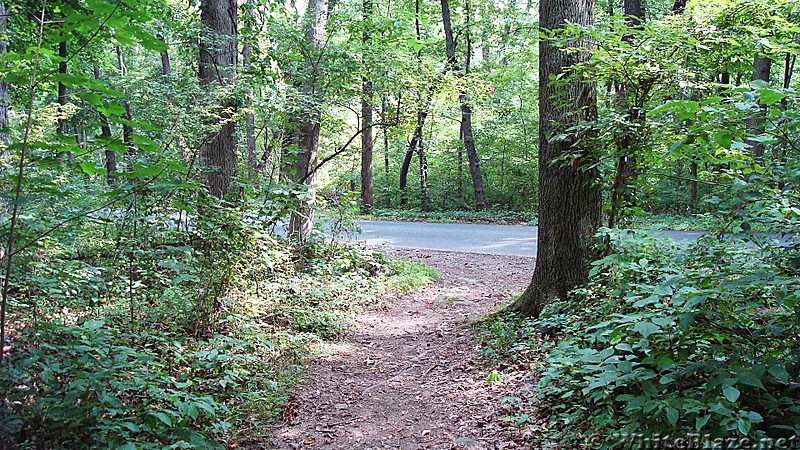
x,y
408,376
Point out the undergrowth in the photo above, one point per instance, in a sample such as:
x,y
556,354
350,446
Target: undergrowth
x,y
664,340
196,345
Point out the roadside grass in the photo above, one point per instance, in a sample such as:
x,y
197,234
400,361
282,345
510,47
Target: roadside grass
x,y
491,215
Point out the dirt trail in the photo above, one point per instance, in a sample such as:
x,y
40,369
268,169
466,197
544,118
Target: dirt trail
x,y
407,377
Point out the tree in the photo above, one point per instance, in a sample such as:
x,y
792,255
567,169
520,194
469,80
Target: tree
x,y
630,100
569,195
309,121
218,55
762,66
367,142
3,85
466,110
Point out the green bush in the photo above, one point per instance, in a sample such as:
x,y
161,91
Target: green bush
x,y
669,340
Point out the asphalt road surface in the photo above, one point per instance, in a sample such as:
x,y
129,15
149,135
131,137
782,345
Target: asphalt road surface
x,y
518,240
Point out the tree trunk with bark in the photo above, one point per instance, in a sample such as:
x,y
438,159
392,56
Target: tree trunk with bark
x,y
569,195
302,219
4,138
105,130
466,110
367,143
218,55
250,119
630,101
62,88
755,123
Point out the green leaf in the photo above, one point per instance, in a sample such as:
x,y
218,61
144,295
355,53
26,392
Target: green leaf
x,y
672,416
162,417
743,425
701,421
731,393
750,379
112,109
724,138
645,328
770,96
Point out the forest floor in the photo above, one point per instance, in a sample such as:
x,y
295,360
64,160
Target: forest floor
x,y
409,376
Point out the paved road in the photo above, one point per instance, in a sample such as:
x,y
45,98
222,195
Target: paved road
x,y
518,240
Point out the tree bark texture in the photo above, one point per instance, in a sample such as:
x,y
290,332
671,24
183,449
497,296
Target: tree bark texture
x,y
4,139
302,220
569,195
105,130
218,55
250,120
62,88
367,143
630,102
755,123
467,136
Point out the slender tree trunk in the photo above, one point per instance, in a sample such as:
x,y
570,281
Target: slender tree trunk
x,y
302,219
569,197
466,110
693,186
629,101
460,175
366,114
250,120
4,138
218,55
127,128
416,144
166,64
105,129
384,110
755,123
62,88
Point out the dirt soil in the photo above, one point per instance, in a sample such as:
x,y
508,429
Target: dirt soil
x,y
409,376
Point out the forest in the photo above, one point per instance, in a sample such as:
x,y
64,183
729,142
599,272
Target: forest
x,y
179,178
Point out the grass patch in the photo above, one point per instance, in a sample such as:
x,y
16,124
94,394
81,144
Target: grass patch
x,y
496,216
409,276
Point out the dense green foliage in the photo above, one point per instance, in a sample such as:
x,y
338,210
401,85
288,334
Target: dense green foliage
x,y
173,365
674,339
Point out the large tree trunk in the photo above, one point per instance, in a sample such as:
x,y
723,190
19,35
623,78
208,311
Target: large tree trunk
x,y
466,110
404,170
218,54
755,123
302,219
569,197
367,143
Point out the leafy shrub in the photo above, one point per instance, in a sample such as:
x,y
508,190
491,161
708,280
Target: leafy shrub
x,y
669,340
90,385
195,345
